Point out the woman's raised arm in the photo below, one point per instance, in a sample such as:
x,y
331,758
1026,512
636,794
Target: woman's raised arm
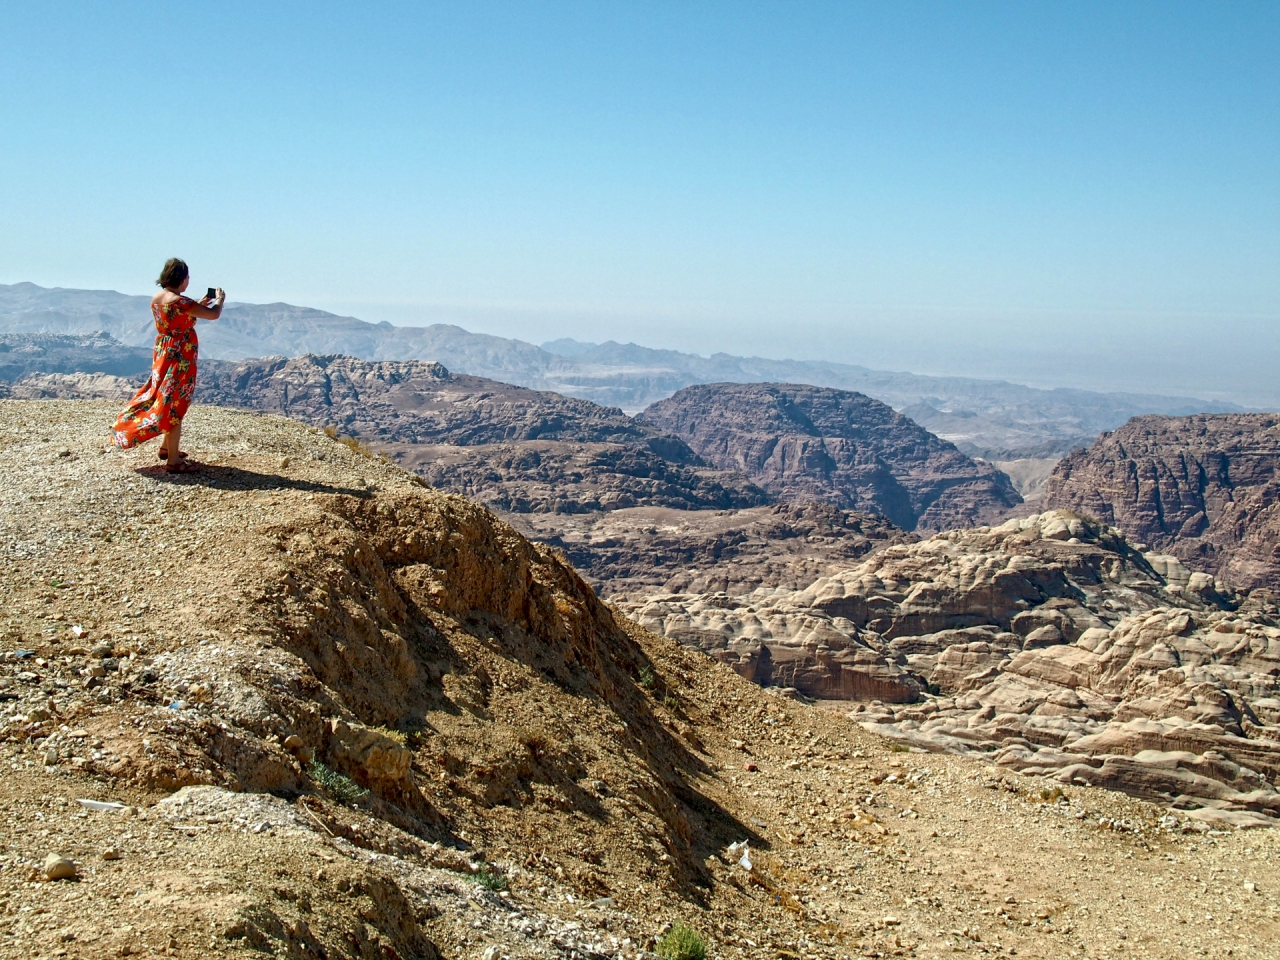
x,y
208,309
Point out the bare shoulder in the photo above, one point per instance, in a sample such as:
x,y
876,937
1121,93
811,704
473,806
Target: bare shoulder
x,y
164,297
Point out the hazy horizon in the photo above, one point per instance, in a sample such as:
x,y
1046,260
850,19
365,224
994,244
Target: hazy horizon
x,y
522,330
1059,196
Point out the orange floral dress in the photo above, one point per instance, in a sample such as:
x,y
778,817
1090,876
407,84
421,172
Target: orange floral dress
x,y
160,406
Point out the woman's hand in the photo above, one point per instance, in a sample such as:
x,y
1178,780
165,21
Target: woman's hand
x,y
210,309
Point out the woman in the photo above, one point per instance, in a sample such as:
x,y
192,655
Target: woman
x,y
160,406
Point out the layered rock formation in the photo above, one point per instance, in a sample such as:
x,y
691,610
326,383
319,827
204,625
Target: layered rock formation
x,y
71,386
1205,489
802,442
1048,643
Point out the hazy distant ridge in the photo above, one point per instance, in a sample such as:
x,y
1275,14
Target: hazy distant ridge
x,y
988,418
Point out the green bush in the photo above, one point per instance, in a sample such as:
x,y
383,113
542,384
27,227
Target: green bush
x,y
343,789
682,942
647,679
490,879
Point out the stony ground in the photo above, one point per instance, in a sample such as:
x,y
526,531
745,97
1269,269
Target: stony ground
x,y
161,692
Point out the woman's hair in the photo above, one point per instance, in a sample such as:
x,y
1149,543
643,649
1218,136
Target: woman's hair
x,y
174,272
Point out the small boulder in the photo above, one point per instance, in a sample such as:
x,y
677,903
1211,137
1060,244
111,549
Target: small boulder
x,y
58,868
371,755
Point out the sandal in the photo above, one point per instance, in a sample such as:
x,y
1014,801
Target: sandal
x,y
164,454
182,466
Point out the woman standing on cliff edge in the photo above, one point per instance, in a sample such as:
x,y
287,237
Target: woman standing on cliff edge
x,y
160,406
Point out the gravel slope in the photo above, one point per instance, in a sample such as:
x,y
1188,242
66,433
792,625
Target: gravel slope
x,y
606,800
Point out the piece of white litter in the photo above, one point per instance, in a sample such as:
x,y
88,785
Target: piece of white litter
x,y
742,851
102,805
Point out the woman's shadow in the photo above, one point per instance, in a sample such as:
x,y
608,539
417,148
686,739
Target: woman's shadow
x,y
237,478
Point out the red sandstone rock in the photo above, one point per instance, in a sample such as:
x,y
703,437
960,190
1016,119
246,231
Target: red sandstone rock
x,y
814,443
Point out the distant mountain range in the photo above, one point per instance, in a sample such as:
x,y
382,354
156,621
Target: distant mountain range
x,y
993,419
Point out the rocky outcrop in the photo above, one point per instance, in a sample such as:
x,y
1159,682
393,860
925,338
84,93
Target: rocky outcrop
x,y
802,442
370,755
72,386
349,617
1048,643
1205,489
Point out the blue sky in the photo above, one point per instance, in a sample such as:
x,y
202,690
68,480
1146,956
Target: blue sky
x,y
1078,194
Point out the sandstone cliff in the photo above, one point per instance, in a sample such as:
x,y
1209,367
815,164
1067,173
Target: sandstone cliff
x,y
802,442
1205,488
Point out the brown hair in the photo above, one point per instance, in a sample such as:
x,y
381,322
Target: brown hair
x,y
174,272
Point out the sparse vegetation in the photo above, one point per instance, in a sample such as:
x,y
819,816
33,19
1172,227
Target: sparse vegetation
x,y
647,679
398,736
681,942
341,788
898,748
1050,794
353,444
671,702
490,879
537,740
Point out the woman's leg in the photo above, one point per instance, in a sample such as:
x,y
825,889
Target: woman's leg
x,y
172,439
